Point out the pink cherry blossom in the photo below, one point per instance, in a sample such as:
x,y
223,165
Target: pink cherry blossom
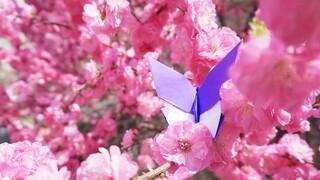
x,y
214,45
261,137
182,45
149,105
107,165
288,78
26,159
19,92
265,159
295,146
107,19
185,143
128,139
226,145
209,49
297,25
242,112
201,14
50,172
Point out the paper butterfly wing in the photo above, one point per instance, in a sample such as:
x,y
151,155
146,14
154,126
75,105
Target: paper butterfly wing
x,y
172,86
208,92
173,114
209,96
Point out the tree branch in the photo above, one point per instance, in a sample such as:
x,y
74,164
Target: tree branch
x,y
155,173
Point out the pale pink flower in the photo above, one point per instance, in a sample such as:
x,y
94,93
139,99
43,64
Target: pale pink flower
x,y
201,14
107,165
288,79
23,159
185,143
292,122
180,174
50,172
19,91
149,105
91,72
110,18
128,139
295,146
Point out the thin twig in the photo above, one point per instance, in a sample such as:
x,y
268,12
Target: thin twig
x,y
155,173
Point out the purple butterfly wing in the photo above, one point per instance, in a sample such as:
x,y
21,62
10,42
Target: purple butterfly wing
x,y
172,86
208,93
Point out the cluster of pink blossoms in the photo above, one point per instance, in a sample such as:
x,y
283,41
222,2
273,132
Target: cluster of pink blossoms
x,y
25,160
74,77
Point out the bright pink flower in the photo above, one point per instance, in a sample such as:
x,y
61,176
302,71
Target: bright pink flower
x,y
209,49
241,112
297,25
145,38
185,143
214,45
128,139
226,145
288,79
182,45
107,165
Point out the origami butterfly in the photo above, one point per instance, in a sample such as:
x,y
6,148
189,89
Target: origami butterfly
x,y
200,104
